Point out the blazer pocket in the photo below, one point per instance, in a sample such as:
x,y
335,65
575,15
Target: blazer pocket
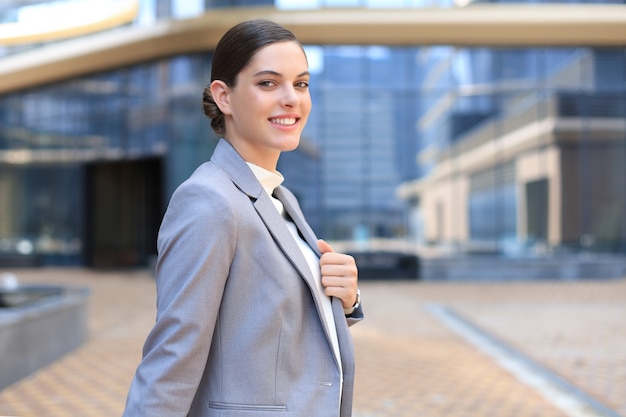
x,y
246,407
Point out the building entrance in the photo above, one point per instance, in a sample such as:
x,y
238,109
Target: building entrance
x,y
123,212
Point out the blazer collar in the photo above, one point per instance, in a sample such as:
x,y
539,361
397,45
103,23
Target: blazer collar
x,y
233,164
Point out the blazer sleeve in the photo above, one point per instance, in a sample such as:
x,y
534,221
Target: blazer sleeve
x,y
196,246
356,316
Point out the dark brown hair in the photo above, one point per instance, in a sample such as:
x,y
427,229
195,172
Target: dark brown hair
x,y
232,53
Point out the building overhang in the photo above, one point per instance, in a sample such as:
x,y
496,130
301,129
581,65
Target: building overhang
x,y
94,17
474,25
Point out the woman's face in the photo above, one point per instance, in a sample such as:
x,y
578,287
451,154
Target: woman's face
x,y
269,105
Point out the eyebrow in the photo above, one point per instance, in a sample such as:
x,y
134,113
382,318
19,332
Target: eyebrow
x,y
277,74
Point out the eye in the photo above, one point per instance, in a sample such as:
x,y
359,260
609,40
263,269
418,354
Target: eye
x,y
302,84
267,83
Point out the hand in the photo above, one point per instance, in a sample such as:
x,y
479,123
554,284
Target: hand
x,y
339,274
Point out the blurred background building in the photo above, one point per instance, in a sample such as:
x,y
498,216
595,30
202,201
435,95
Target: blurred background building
x,y
439,127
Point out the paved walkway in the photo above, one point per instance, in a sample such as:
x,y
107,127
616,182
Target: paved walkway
x,y
425,349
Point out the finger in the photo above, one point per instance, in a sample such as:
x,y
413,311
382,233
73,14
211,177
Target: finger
x,y
323,246
346,295
345,283
347,269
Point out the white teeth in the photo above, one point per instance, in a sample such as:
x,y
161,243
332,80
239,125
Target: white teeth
x,y
285,122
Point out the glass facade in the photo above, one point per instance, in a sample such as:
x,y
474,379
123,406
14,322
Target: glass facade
x,y
502,150
514,151
523,150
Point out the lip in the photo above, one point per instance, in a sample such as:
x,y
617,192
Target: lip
x,y
295,117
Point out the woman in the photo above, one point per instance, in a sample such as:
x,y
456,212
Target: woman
x,y
252,310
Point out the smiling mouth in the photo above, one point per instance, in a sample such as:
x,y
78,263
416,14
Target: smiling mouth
x,y
289,121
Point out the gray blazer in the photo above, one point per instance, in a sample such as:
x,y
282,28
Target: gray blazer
x,y
239,329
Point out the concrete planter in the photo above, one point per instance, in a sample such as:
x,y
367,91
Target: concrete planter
x,y
38,325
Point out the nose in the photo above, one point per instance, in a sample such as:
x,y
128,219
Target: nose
x,y
290,96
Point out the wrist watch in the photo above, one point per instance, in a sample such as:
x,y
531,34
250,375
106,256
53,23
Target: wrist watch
x,y
348,311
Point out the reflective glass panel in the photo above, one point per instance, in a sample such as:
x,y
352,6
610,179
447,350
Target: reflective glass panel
x,y
514,151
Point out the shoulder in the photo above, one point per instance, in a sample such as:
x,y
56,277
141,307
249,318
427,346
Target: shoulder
x,y
207,186
207,197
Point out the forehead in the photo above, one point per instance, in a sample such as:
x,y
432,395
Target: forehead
x,y
286,55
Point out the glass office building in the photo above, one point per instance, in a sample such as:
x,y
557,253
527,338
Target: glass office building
x,y
513,150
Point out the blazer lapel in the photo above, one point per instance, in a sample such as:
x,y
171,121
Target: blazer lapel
x,y
345,342
343,334
227,158
292,208
277,227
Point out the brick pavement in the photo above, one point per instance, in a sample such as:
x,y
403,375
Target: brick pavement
x,y
408,362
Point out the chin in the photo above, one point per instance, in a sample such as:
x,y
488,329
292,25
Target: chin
x,y
290,145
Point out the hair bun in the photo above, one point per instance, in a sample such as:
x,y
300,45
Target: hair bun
x,y
212,111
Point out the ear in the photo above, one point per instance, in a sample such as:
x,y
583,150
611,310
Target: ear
x,y
221,94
